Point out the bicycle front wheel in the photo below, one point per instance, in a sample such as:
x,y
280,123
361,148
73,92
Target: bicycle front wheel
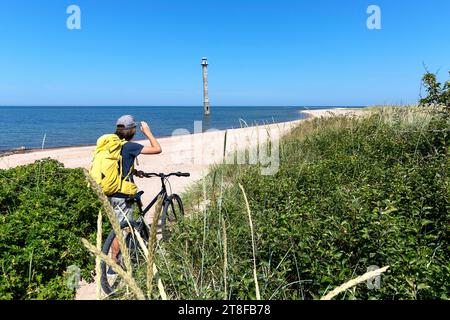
x,y
172,212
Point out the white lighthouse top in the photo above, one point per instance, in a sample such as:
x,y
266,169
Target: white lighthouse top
x,y
205,61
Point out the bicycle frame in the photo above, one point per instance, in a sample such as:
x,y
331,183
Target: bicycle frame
x,y
162,193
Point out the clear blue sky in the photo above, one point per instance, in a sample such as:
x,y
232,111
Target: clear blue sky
x,y
148,52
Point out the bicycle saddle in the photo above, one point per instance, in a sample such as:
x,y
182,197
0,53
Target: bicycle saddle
x,y
136,198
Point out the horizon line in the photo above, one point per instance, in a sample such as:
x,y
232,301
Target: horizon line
x,y
192,106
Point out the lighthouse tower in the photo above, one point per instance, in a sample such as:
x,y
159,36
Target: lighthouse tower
x,y
205,86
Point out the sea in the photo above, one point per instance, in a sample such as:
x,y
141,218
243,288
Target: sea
x,y
36,127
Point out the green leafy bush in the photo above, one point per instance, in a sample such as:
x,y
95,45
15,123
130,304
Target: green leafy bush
x,y
350,193
437,93
44,210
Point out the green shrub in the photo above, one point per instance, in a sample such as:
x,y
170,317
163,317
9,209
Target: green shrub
x,y
350,193
44,210
437,93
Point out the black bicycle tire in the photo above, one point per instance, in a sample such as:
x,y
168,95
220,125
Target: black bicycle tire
x,y
170,201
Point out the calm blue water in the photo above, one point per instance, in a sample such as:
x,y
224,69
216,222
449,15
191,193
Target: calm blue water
x,y
72,126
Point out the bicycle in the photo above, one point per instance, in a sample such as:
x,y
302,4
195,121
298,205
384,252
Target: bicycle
x,y
172,210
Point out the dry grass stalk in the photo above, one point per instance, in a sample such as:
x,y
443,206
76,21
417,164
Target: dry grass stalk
x,y
97,259
152,246
204,234
224,240
354,282
121,273
112,219
213,193
162,291
258,296
225,257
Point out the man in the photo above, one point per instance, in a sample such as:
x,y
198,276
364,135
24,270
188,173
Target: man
x,y
126,129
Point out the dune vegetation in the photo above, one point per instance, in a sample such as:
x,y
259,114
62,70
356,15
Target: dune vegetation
x,y
350,193
44,210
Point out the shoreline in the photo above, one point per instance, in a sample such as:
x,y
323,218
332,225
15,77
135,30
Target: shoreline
x,y
307,114
23,150
80,156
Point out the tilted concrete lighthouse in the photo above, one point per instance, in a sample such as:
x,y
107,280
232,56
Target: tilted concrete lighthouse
x,y
205,86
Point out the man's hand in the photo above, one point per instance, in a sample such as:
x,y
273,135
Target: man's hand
x,y
154,147
145,128
138,173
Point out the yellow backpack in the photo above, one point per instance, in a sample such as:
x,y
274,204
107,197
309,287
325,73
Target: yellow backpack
x,y
106,168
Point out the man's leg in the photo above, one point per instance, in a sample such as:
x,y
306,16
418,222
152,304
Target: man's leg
x,y
115,248
117,204
122,209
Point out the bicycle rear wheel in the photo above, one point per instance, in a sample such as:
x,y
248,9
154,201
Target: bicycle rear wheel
x,y
112,283
173,211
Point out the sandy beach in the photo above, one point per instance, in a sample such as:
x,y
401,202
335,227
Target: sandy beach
x,y
192,153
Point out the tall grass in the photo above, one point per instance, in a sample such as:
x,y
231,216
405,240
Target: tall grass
x,y
250,222
97,259
152,246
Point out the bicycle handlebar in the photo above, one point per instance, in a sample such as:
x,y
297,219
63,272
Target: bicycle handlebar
x,y
142,174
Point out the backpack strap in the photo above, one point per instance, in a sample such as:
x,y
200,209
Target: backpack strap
x,y
129,173
121,165
122,143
